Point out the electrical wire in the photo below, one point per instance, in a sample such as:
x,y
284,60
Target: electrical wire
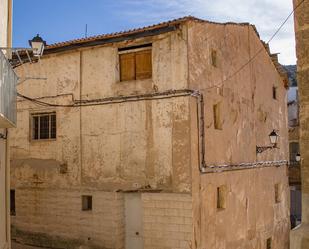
x,y
217,85
117,99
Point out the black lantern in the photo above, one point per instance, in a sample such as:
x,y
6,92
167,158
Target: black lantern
x,y
38,45
273,136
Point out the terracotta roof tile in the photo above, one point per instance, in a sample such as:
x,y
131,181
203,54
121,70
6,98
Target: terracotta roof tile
x,y
134,31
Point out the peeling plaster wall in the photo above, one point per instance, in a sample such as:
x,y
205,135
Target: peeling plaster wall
x,y
248,113
154,144
105,148
137,142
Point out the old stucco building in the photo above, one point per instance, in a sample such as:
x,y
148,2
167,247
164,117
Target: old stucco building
x,y
300,236
294,164
147,139
7,118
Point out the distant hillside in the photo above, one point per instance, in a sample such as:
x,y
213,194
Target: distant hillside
x,y
291,70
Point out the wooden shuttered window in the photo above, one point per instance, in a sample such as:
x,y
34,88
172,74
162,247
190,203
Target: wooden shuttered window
x,y
143,65
135,65
127,66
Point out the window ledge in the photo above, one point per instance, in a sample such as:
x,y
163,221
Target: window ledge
x,y
43,140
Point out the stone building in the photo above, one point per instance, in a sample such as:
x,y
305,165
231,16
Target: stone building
x,y
7,118
300,236
147,139
294,165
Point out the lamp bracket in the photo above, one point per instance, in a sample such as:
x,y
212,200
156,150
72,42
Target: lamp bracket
x,y
260,149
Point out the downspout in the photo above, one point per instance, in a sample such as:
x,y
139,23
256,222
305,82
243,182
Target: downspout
x,y
206,169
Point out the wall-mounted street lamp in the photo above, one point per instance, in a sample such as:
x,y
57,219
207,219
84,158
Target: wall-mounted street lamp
x,y
37,47
297,157
273,137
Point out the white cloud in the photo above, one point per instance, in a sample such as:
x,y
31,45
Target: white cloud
x,y
266,15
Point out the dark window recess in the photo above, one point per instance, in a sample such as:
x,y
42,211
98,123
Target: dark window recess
x,y
221,197
217,116
44,126
147,45
12,202
294,149
268,243
86,202
214,58
274,92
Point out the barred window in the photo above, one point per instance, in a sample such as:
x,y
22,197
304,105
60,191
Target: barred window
x,y
44,126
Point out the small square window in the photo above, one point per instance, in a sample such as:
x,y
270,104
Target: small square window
x,y
43,126
12,202
221,197
86,202
274,92
268,243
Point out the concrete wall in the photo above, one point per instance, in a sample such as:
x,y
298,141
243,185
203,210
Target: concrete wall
x,y
5,40
54,218
248,114
167,220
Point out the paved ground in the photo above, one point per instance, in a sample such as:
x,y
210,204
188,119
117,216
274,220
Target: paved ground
x,y
16,245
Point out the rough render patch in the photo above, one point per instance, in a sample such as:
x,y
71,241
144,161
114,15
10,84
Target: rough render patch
x,y
258,216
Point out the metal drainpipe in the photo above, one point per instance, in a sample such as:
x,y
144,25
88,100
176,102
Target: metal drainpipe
x,y
201,129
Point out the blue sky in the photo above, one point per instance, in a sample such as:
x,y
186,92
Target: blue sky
x,y
61,20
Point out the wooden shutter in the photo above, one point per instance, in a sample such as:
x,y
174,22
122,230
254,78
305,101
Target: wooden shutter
x,y
127,66
143,64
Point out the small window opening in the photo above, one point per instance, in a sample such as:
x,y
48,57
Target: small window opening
x,y
268,243
43,126
217,116
135,62
278,192
221,197
274,92
86,202
12,202
214,58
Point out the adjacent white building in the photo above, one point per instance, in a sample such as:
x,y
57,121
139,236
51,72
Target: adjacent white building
x,y
8,81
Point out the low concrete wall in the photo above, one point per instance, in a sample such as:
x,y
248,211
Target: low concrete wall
x,y
54,218
167,221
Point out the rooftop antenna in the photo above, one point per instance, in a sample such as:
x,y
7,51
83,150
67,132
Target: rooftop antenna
x,y
86,31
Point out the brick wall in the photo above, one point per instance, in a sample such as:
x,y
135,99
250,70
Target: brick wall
x,y
54,218
167,221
